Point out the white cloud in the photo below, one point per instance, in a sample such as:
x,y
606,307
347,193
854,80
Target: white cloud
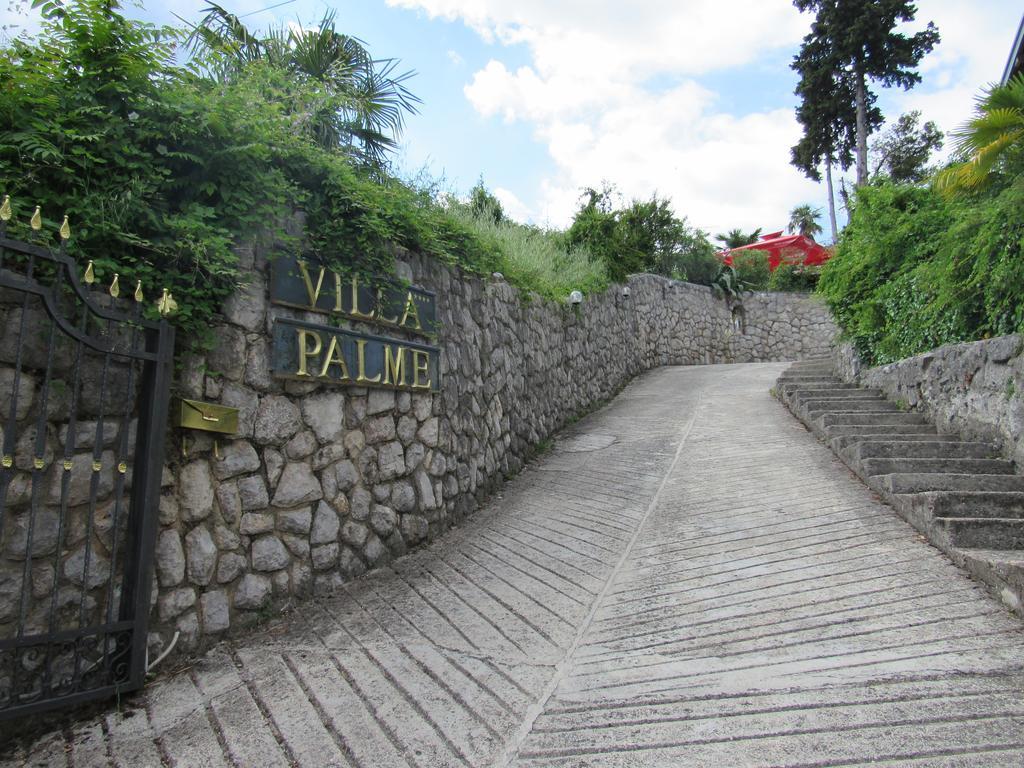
x,y
455,58
514,208
586,94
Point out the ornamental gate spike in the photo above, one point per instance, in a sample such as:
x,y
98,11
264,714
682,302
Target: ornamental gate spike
x,y
115,287
36,222
65,229
90,273
166,305
138,292
5,209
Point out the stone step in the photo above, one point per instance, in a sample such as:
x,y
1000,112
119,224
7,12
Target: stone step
x,y
898,448
815,408
894,419
808,378
800,395
921,482
843,442
824,370
969,504
948,466
1001,569
819,386
903,431
983,533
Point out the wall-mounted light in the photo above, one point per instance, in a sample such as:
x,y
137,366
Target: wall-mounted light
x,y
575,298
625,291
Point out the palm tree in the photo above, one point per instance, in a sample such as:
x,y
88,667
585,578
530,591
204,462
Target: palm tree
x,y
368,100
736,237
804,219
984,142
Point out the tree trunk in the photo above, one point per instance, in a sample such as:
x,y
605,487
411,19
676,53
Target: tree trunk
x,y
862,130
831,199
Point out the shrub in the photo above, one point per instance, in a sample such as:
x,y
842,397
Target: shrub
x,y
752,269
794,277
914,270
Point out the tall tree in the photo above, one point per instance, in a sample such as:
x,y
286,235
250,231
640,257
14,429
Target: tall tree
x,y
903,151
828,116
804,219
858,41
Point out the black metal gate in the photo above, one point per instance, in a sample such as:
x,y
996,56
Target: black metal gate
x,y
84,382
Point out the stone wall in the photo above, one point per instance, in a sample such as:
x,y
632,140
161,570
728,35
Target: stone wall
x,y
322,483
974,389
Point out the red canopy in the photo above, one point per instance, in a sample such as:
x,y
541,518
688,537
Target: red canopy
x,y
791,249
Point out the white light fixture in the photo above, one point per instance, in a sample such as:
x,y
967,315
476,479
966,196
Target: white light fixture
x,y
575,298
625,291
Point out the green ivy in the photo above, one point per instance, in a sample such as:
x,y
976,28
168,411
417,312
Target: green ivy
x,y
162,169
914,270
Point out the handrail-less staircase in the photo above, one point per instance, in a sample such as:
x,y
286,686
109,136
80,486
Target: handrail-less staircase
x,y
960,494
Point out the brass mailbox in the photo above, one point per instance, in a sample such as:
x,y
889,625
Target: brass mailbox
x,y
208,417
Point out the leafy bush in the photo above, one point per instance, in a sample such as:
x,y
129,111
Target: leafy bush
x,y
752,269
914,270
794,277
160,167
697,265
644,236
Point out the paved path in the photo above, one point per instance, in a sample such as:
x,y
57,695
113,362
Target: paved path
x,y
688,579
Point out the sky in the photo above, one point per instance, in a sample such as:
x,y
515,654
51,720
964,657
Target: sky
x,y
687,99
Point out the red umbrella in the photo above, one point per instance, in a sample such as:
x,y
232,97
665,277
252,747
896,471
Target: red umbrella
x,y
791,249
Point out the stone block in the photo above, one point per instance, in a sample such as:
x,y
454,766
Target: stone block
x,y
195,491
170,559
277,420
298,485
237,457
253,592
216,613
252,493
325,525
324,413
269,554
295,521
201,555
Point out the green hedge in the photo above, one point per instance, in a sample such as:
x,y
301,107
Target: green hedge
x,y
914,270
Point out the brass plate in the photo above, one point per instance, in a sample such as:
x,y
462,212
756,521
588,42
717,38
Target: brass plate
x,y
208,417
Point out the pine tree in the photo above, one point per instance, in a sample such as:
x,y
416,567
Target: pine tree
x,y
856,41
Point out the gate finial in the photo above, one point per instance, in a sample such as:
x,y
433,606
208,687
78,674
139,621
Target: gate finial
x,y
138,291
115,287
166,304
36,222
90,273
5,209
65,229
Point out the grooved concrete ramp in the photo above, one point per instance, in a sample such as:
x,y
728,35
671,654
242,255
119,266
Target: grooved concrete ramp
x,y
687,579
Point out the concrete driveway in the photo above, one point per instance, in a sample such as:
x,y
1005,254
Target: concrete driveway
x,y
686,579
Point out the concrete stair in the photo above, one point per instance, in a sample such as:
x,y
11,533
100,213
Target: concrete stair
x,y
960,494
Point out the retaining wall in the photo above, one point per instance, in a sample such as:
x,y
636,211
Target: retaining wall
x,y
322,482
975,389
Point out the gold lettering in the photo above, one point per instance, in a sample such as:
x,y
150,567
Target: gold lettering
x,y
314,294
413,311
420,364
337,292
394,371
380,309
334,357
305,352
355,311
361,358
